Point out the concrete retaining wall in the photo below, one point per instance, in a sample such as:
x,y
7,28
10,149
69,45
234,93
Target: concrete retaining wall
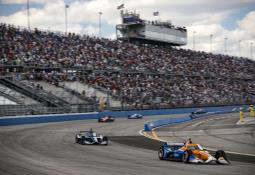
x,y
17,120
149,126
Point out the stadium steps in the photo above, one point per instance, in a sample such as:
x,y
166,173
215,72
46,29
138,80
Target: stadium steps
x,y
79,95
16,96
9,97
67,94
92,91
43,97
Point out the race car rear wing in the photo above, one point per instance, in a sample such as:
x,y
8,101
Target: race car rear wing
x,y
174,144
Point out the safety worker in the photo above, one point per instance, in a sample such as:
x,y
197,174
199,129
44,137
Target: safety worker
x,y
241,114
251,111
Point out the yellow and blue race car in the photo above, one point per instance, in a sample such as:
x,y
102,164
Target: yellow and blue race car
x,y
190,153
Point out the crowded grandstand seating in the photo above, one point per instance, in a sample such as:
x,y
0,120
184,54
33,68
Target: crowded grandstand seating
x,y
138,75
48,49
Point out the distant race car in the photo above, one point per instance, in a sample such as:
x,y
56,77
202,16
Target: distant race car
x,y
106,119
135,116
199,111
90,138
190,153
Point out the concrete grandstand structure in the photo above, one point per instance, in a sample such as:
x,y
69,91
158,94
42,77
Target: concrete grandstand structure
x,y
134,29
53,73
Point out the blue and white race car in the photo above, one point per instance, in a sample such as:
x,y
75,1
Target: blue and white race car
x,y
90,138
197,113
135,116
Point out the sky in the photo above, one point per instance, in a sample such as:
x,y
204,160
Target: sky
x,y
230,23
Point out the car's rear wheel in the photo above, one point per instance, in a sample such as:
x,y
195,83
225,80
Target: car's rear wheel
x,y
105,139
185,157
161,154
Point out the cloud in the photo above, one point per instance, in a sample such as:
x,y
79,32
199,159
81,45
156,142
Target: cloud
x,y
248,23
25,1
244,32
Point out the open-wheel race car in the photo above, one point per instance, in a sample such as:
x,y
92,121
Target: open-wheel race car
x,y
190,153
90,138
199,111
105,119
135,116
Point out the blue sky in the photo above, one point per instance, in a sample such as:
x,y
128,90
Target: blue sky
x,y
230,22
232,19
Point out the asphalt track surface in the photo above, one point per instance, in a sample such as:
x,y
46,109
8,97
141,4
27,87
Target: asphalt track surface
x,y
41,149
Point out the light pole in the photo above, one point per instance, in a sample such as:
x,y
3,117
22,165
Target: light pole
x,y
28,15
194,42
251,48
211,36
226,39
66,7
99,24
239,47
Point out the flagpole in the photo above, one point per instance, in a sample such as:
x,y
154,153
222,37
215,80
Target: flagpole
x,y
66,6
99,23
28,15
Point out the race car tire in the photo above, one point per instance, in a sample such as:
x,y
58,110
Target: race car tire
x,y
161,154
220,153
105,139
82,141
186,156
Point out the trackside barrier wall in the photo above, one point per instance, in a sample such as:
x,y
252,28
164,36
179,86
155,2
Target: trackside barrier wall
x,y
4,121
17,120
148,126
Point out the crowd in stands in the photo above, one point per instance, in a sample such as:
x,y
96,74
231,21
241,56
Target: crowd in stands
x,y
141,89
50,49
160,74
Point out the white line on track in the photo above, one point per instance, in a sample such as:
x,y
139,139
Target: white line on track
x,y
199,123
210,149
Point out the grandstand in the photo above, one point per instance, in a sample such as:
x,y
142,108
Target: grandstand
x,y
46,72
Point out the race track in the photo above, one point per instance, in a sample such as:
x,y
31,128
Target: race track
x,y
50,149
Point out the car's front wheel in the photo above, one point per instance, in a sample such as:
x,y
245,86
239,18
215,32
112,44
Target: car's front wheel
x,y
221,157
161,154
82,141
